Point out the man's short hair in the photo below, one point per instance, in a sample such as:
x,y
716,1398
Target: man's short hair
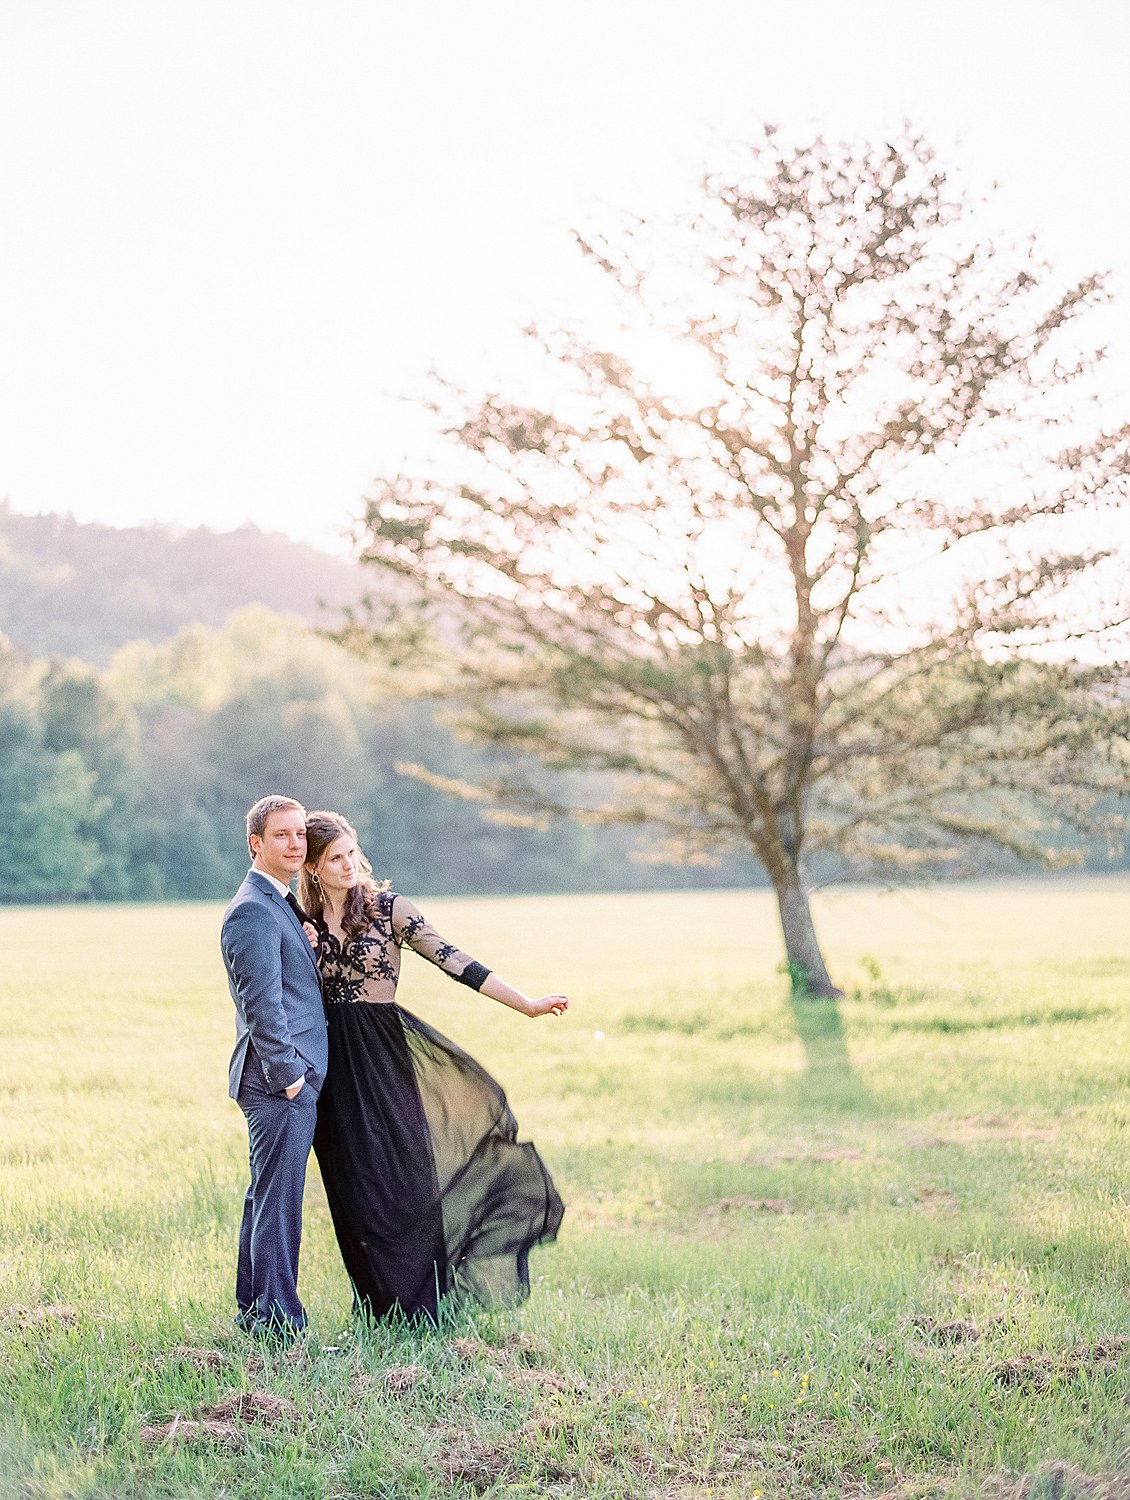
x,y
257,816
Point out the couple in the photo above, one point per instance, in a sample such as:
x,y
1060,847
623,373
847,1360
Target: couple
x,y
428,1188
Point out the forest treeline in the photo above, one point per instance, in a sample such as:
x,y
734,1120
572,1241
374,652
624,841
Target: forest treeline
x,y
154,682
130,781
127,761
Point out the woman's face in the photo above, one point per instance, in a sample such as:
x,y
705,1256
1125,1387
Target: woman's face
x,y
337,868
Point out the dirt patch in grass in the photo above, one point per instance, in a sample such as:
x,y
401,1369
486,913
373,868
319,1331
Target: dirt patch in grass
x,y
835,1153
756,1205
400,1379
224,1422
515,1349
731,1487
1036,1372
469,1351
934,1200
972,1128
465,1458
254,1406
549,1425
547,1450
200,1359
912,1487
548,1382
524,1346
193,1430
41,1315
396,1380
479,1463
518,1361
955,1332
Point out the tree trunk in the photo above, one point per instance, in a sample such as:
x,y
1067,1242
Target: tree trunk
x,y
807,969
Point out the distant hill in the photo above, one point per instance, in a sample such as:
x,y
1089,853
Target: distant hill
x,y
81,589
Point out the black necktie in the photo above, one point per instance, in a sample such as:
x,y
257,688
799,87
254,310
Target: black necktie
x,y
292,902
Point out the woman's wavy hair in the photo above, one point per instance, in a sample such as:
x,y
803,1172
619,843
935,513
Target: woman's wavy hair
x,y
322,829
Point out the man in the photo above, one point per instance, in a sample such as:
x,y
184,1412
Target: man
x,y
279,1063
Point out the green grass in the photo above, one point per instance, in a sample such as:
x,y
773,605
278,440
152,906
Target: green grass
x,y
881,1248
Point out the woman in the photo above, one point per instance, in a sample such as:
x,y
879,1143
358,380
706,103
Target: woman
x,y
428,1187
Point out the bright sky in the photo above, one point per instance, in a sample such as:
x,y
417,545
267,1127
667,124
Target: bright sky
x,y
235,231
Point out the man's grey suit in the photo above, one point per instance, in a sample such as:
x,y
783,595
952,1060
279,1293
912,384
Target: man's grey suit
x,y
280,1038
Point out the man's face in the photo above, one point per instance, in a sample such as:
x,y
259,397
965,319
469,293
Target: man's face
x,y
281,848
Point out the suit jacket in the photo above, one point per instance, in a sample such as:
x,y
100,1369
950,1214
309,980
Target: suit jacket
x,y
276,987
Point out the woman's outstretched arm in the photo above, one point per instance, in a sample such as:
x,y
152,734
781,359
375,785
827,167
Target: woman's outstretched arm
x,y
545,1005
411,928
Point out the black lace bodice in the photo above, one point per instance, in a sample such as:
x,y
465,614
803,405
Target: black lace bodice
x,y
367,967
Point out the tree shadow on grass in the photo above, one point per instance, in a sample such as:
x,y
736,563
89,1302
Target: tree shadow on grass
x,y
829,1083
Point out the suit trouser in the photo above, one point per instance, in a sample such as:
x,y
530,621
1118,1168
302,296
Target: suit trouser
x,y
280,1132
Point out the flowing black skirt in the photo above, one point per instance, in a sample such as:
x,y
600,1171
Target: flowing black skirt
x,y
429,1188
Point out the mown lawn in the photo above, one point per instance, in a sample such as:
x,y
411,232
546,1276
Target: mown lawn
x,y
883,1249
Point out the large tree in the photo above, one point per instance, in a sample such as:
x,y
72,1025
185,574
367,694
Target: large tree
x,y
797,551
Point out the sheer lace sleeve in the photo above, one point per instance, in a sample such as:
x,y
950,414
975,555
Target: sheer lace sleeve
x,y
412,930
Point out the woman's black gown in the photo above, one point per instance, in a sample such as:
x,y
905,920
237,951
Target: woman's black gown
x,y
429,1189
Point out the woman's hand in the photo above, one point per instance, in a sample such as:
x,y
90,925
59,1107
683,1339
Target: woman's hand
x,y
547,1005
311,933
497,989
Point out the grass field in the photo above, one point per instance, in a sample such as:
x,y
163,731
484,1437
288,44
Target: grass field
x,y
879,1250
